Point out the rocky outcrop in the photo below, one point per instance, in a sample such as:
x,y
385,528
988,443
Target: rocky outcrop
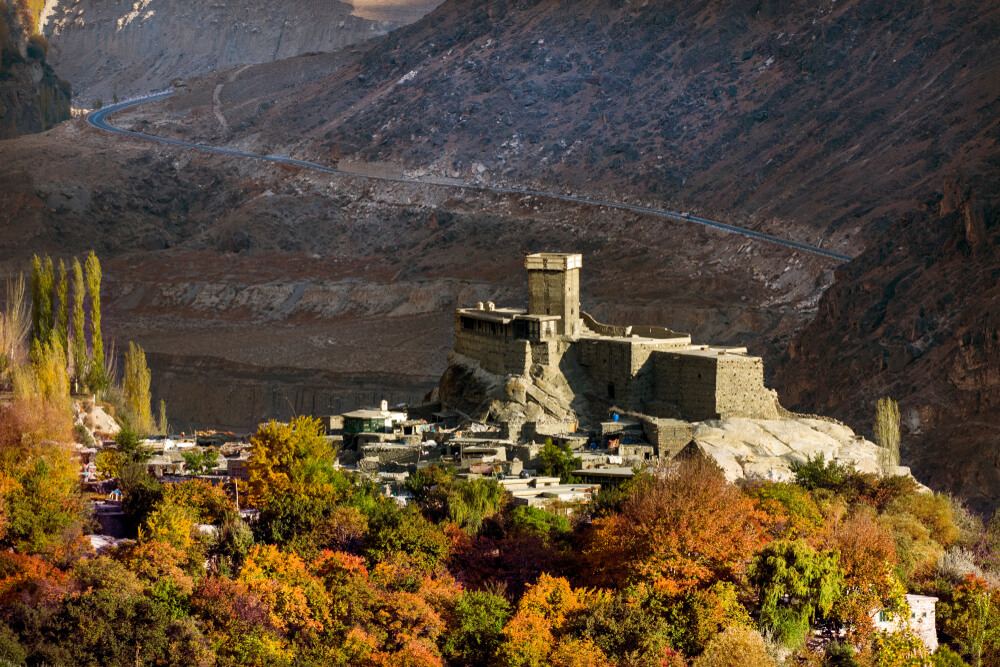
x,y
32,98
917,317
768,448
123,47
751,449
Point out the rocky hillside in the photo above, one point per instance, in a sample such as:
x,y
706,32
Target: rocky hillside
x,y
917,317
123,47
32,98
826,119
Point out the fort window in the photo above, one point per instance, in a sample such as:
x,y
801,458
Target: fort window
x,y
611,390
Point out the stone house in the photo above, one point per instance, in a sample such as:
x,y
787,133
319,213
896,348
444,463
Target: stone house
x,y
920,619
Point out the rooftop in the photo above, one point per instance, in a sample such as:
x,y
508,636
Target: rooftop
x,y
553,261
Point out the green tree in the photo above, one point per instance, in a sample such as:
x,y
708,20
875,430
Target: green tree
x,y
97,379
79,341
62,312
886,428
558,461
477,631
199,462
135,386
471,501
42,283
795,584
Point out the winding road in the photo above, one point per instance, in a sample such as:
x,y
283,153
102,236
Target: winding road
x,y
99,119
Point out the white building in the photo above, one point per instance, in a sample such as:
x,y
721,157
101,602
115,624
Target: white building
x,y
920,619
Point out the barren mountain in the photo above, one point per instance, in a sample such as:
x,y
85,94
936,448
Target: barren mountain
x,y
821,120
109,47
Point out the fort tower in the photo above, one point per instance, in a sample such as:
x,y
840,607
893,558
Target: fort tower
x,y
554,288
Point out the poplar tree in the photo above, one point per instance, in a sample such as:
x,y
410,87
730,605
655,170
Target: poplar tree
x,y
886,429
79,341
62,312
36,300
93,278
135,386
48,308
42,280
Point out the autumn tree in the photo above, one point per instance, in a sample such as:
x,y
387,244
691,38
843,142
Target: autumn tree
x,y
61,305
97,377
676,530
15,326
867,558
531,633
972,617
79,343
293,458
135,387
736,647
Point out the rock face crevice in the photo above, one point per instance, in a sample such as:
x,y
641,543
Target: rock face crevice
x,y
32,97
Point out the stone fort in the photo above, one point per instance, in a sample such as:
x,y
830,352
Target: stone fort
x,y
643,369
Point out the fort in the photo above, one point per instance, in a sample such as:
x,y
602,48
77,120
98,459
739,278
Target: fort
x,y
564,357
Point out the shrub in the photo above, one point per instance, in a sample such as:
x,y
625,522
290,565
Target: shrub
x,y
944,656
736,647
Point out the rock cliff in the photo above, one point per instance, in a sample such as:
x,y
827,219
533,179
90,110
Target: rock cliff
x,y
917,317
32,98
123,47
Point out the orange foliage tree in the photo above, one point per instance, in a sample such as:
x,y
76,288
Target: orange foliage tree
x,y
678,529
867,557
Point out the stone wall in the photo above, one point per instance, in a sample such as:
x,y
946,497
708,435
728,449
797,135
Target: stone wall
x,y
599,328
688,382
669,436
556,293
502,356
740,390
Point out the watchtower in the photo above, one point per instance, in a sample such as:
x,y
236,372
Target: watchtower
x,y
554,288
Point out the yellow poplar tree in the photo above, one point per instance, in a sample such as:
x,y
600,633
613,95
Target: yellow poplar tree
x,y
135,386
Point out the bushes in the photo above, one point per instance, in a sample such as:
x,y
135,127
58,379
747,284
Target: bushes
x,y
736,647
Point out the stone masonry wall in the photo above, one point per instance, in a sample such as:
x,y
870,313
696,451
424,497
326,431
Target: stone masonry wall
x,y
556,293
623,365
740,390
687,381
496,355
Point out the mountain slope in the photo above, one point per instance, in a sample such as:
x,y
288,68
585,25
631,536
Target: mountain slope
x,y
123,47
827,119
32,98
917,317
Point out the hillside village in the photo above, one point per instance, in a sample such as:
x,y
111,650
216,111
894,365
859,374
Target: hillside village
x,y
611,399
550,404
